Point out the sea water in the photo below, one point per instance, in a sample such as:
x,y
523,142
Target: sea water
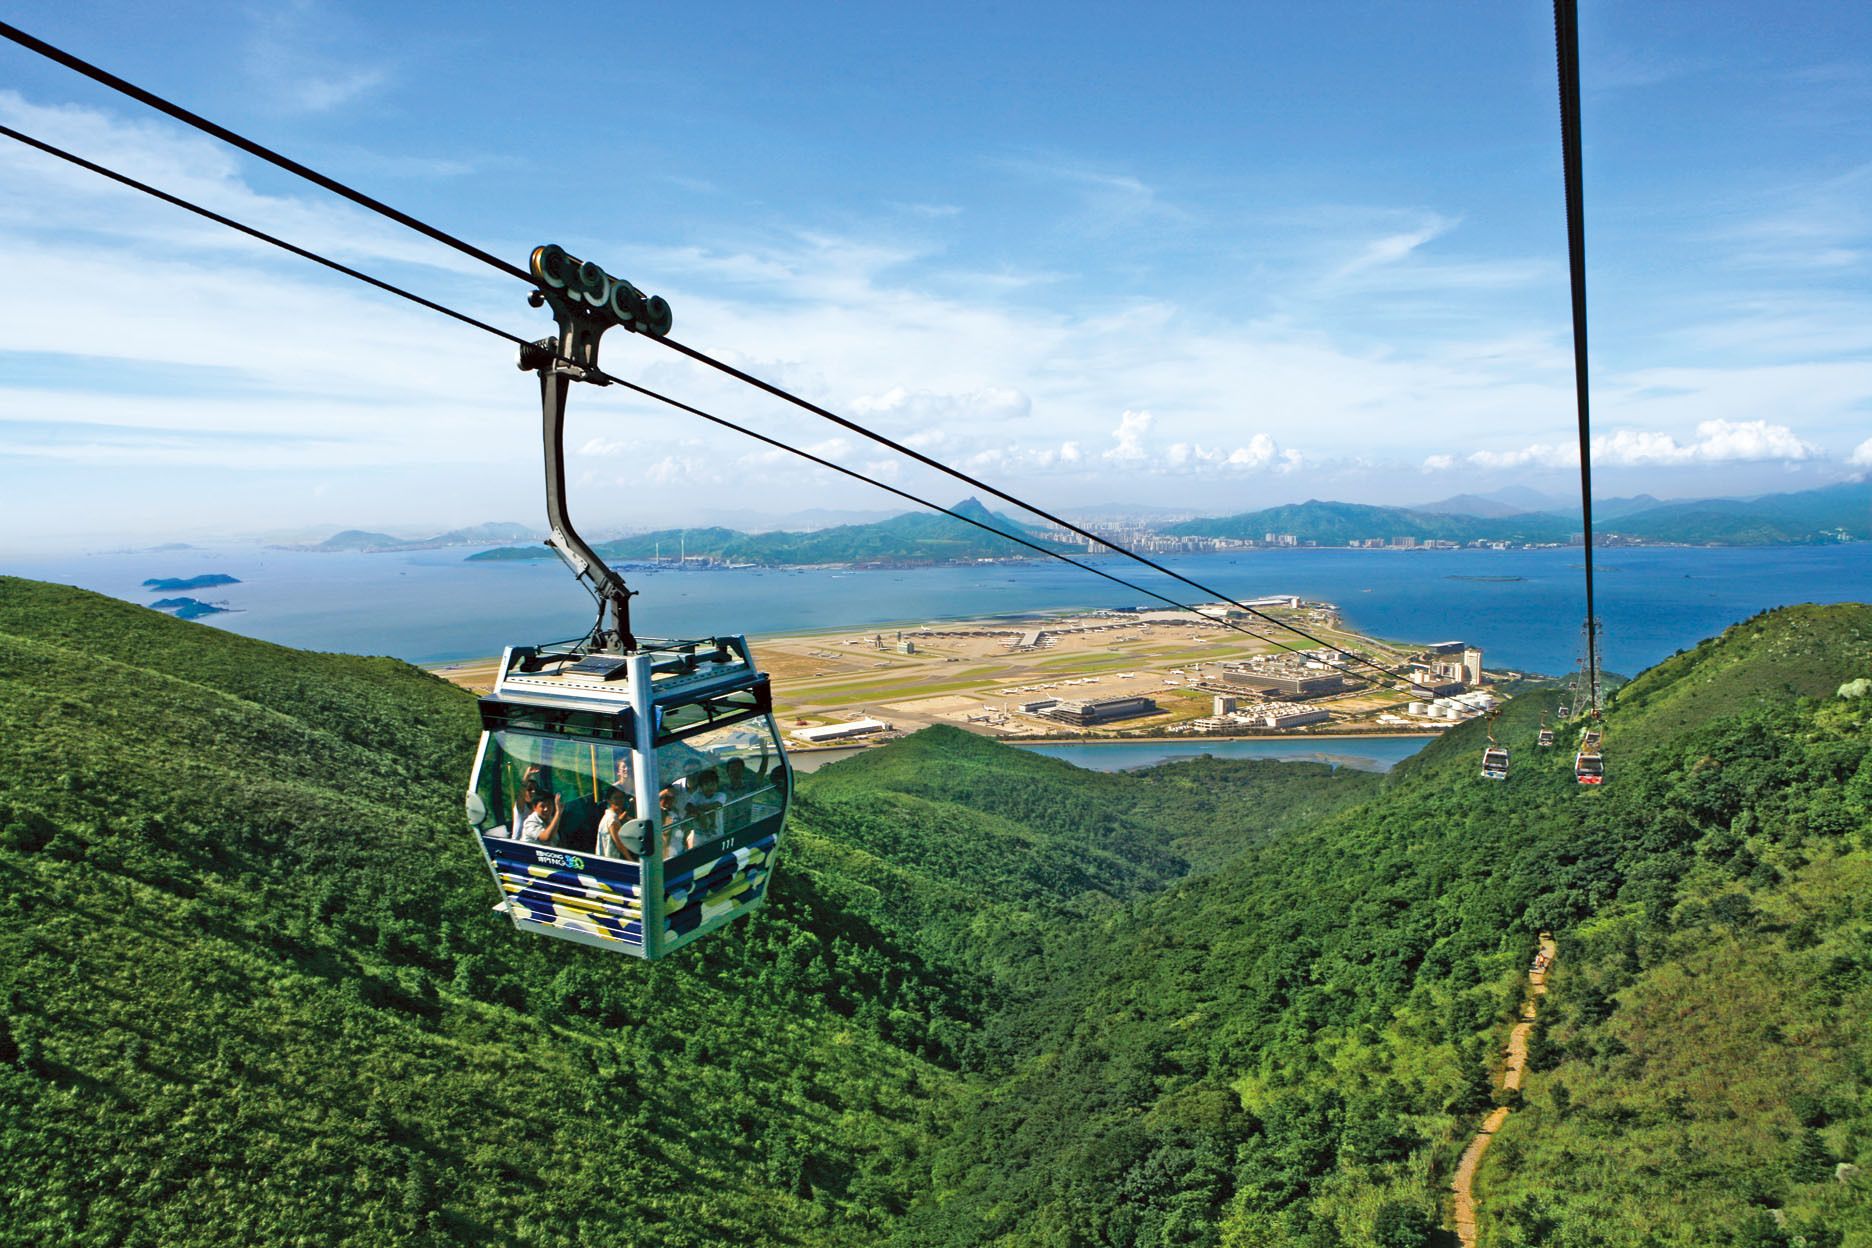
x,y
1359,753
434,606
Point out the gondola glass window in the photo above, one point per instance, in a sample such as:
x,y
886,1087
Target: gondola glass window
x,y
720,784
578,775
663,804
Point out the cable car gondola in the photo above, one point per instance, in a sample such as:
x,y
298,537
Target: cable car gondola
x,y
1544,739
1589,763
1495,757
627,794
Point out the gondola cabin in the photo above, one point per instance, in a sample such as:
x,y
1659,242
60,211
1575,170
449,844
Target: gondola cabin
x,y
1589,763
1495,763
630,800
1546,738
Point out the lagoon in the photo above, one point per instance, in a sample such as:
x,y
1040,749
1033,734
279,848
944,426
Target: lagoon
x,y
1358,753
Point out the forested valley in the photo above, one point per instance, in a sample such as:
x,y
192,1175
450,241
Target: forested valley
x,y
253,991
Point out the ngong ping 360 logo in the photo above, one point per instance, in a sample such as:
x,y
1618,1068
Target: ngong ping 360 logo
x,y
553,858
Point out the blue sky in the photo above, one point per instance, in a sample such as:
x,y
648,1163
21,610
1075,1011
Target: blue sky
x,y
1214,257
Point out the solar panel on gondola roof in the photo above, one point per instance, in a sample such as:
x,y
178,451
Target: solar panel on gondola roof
x,y
603,666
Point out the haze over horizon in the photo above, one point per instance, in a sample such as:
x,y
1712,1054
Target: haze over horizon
x,y
1291,258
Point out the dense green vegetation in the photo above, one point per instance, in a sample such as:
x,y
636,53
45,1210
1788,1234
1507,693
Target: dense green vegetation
x,y
1828,514
1335,524
912,538
252,990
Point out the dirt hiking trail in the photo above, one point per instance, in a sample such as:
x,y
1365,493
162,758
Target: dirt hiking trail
x,y
1464,1183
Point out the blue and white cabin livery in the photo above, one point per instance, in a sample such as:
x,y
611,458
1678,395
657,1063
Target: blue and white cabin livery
x,y
632,800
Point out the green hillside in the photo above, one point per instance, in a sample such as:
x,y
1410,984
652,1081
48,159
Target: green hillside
x,y
253,992
912,538
1827,514
1831,513
1335,524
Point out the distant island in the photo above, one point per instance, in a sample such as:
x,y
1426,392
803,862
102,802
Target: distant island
x,y
1834,513
911,539
368,542
171,584
188,608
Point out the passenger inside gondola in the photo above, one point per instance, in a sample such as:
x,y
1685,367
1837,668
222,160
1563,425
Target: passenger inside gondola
x,y
737,795
614,825
542,819
678,832
523,807
702,806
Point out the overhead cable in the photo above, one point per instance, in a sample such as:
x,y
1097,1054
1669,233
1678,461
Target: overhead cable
x,y
250,146
172,109
1566,55
883,440
599,375
241,227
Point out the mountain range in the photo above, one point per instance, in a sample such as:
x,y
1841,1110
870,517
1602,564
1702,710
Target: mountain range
x,y
910,538
251,990
1829,514
367,541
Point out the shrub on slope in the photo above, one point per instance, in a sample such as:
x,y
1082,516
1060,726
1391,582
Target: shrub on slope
x,y
1280,1052
252,991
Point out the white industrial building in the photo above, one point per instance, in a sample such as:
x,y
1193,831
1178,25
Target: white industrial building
x,y
823,733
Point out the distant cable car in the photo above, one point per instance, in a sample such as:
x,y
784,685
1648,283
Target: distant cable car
x,y
627,794
1495,757
1545,738
1589,763
1495,763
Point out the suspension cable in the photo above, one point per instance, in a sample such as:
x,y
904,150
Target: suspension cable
x,y
1566,55
161,105
600,375
176,111
124,179
899,447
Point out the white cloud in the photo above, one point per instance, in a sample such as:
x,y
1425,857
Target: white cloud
x,y
294,57
1129,449
191,167
1716,441
1391,248
1066,457
924,408
1862,455
1128,438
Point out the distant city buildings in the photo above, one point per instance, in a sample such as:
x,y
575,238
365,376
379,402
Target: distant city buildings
x,y
1446,667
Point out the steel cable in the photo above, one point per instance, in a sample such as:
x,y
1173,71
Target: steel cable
x,y
677,404
168,107
1566,56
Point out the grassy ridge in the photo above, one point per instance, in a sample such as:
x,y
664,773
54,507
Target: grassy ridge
x,y
1292,1049
252,991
